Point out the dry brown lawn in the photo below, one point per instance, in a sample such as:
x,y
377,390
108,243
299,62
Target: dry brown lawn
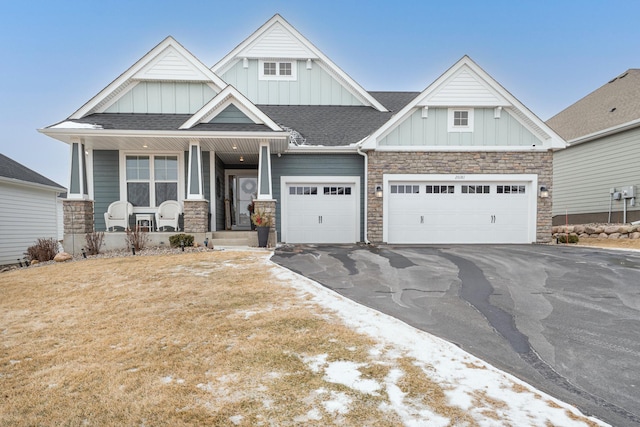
x,y
611,243
210,338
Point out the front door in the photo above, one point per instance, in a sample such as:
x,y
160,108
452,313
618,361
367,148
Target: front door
x,y
242,189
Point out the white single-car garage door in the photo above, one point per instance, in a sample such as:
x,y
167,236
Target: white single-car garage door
x,y
470,211
321,211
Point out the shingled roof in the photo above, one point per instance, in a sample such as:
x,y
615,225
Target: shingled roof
x,y
12,170
318,125
612,105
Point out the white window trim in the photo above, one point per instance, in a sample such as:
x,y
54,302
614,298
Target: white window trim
x,y
277,76
450,125
152,190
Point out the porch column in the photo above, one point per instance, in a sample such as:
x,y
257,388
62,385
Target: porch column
x,y
195,187
77,209
196,208
264,172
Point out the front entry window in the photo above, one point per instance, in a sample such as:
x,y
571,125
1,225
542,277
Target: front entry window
x,y
148,186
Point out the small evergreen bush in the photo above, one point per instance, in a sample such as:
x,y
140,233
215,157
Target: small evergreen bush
x,y
562,238
175,240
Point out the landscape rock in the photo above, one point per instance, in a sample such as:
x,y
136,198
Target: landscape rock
x,y
612,229
614,235
634,235
62,257
579,229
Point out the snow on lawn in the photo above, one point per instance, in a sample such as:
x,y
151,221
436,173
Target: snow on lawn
x,y
491,397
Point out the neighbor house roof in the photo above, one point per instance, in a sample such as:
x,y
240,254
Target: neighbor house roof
x,y
10,170
613,105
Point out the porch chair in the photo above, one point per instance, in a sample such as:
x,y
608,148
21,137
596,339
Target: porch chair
x,y
117,214
168,213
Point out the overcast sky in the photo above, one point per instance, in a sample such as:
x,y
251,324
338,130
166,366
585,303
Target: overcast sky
x,y
56,55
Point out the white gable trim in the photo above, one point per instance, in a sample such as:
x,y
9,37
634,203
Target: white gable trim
x,y
142,68
549,139
298,47
230,95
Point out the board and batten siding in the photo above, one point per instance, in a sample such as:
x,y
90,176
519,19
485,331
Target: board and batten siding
x,y
312,87
415,130
316,165
163,98
106,184
584,174
26,215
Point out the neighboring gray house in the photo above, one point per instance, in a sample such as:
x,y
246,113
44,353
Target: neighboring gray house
x,y
597,176
277,121
29,209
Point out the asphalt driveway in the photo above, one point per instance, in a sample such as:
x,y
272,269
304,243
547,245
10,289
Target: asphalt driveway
x,y
564,319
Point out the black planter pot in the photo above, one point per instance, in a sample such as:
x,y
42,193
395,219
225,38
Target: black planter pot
x,y
263,236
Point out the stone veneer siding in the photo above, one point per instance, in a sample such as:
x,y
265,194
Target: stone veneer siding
x,y
77,216
196,216
540,163
268,207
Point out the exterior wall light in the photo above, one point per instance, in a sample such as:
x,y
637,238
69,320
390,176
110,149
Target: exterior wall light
x,y
544,192
378,191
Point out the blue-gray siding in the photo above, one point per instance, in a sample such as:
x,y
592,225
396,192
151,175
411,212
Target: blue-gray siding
x,y
317,165
219,200
311,87
433,131
106,183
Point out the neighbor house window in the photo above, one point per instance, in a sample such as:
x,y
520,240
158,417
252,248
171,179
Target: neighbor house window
x,y
460,120
278,70
151,180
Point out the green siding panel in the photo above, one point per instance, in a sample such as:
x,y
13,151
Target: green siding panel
x,y
231,114
163,97
106,183
432,131
317,165
312,87
584,174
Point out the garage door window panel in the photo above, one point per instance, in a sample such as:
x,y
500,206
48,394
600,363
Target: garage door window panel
x,y
476,189
440,189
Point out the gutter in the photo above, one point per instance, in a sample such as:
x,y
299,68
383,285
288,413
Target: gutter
x,y
366,186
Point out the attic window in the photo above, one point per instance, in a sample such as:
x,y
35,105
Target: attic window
x,y
277,70
460,120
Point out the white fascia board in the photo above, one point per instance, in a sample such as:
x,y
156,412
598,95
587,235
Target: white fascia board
x,y
188,135
221,101
605,132
21,183
236,54
127,76
320,149
461,149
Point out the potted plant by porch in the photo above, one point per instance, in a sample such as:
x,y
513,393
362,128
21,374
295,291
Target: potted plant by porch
x,y
263,225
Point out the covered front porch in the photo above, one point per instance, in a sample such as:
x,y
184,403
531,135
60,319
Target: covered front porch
x,y
214,176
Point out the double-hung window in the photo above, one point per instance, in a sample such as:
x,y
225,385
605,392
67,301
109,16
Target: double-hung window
x,y
151,179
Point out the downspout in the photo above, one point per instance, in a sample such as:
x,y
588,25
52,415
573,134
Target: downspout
x,y
366,186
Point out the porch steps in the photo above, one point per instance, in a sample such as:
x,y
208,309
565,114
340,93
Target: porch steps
x,y
234,238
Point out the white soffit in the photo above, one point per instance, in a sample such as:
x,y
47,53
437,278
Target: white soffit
x,y
168,61
463,88
171,65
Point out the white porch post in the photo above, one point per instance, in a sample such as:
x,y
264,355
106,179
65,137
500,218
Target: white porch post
x,y
78,175
195,186
264,172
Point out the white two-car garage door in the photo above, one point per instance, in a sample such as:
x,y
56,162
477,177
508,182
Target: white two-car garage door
x,y
320,210
469,211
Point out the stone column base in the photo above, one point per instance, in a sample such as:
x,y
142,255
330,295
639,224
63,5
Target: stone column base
x,y
196,216
77,216
268,207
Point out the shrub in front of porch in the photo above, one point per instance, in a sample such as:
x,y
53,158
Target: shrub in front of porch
x,y
177,240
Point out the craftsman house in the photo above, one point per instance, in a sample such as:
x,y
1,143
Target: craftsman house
x,y
276,125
